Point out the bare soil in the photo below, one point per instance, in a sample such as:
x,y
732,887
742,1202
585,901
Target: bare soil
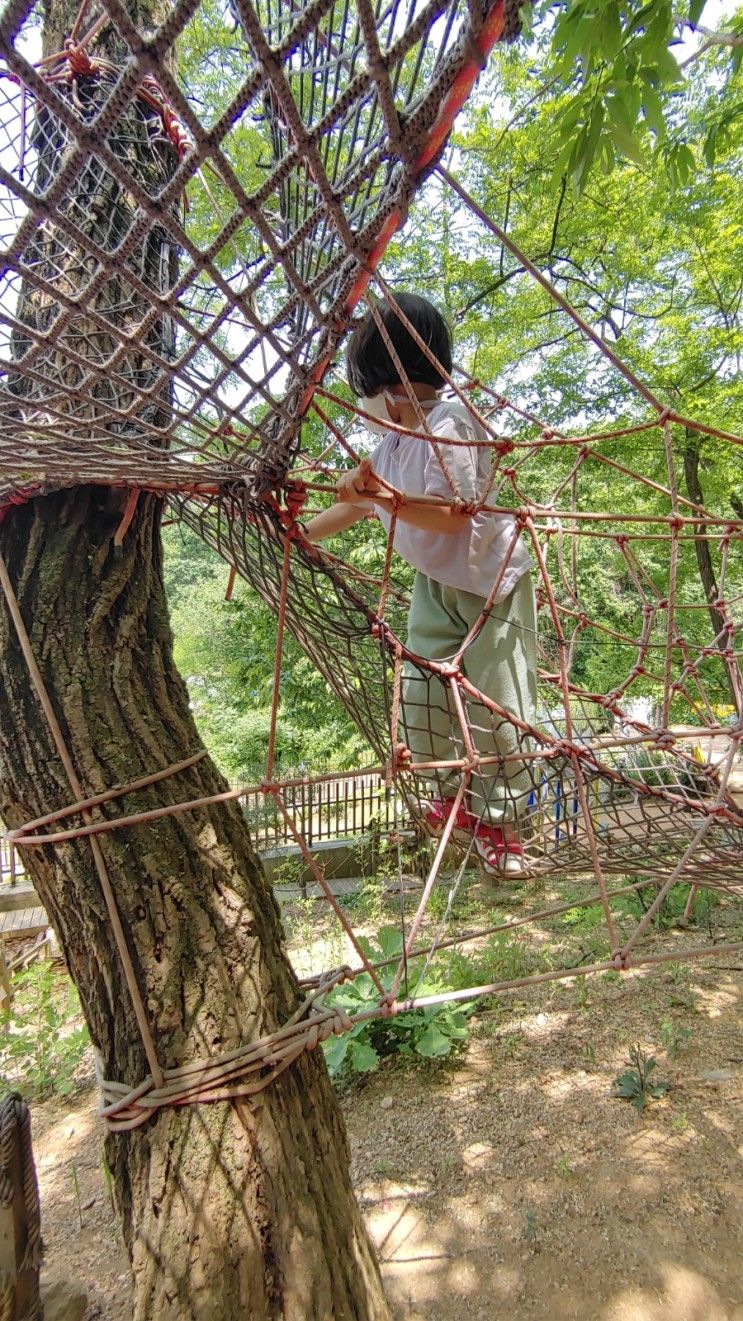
x,y
510,1183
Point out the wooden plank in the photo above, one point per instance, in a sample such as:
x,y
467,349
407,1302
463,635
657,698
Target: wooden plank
x,y
23,922
21,896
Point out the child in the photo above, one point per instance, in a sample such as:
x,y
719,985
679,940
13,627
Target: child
x,y
457,558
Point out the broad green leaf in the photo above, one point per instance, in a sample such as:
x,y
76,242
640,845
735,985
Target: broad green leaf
x,y
362,1057
390,941
432,1043
335,1050
659,1089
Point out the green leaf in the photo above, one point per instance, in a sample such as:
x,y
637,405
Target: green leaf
x,y
390,941
627,1085
611,31
659,1089
653,111
696,9
626,144
709,148
641,19
335,1050
620,113
432,1043
667,66
362,1057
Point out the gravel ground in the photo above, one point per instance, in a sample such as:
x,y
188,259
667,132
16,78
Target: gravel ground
x,y
510,1183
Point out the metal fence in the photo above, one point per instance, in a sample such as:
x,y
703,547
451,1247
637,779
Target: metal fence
x,y
338,807
342,806
12,870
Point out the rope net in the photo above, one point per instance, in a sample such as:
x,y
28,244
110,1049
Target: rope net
x,y
176,283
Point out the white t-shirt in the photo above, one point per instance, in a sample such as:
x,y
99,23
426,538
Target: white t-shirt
x,y
471,559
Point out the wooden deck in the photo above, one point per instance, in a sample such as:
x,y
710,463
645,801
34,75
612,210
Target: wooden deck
x,y
23,922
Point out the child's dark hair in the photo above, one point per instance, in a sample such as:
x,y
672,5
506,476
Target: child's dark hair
x,y
369,364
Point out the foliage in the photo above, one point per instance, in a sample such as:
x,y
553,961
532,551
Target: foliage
x,y
674,1037
625,92
226,651
635,1083
432,1032
44,1040
673,907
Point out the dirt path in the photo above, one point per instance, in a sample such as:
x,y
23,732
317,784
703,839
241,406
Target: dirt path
x,y
511,1185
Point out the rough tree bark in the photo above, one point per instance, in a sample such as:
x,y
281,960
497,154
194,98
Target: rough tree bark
x,y
692,447
229,1210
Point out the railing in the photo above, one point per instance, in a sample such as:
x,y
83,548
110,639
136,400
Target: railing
x,y
334,808
12,869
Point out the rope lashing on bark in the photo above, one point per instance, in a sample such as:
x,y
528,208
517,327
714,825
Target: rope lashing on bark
x,y
241,1072
249,1069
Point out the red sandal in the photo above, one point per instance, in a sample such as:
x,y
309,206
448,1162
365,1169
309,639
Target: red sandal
x,y
498,855
436,813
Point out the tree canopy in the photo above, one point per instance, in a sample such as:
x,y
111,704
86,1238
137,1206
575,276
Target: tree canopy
x,y
607,142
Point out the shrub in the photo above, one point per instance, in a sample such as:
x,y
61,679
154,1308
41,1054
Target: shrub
x,y
432,1032
44,1040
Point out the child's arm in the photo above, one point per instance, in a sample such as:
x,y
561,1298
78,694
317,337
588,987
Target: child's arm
x,y
429,518
358,488
335,519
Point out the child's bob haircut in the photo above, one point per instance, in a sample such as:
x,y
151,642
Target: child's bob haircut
x,y
370,367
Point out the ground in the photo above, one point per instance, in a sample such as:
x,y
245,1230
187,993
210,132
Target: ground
x,y
509,1182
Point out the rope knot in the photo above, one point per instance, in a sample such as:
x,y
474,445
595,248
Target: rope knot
x,y
78,59
401,757
295,495
663,738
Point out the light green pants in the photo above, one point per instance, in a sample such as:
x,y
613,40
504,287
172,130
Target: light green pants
x,y
502,663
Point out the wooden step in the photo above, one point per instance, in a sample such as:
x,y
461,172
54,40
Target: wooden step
x,y
18,896
23,922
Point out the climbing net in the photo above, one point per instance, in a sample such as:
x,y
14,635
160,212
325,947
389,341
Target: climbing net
x,y
177,281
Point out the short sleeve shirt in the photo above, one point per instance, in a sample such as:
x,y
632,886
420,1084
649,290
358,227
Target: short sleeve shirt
x,y
488,544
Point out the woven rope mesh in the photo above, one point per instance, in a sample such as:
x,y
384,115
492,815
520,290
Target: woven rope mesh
x,y
312,141
177,279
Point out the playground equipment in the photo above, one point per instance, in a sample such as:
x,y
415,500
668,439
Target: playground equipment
x,y
179,351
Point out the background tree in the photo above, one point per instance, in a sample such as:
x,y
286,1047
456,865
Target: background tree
x,y
240,1207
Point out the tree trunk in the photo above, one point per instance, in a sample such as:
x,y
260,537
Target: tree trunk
x,y
229,1209
701,547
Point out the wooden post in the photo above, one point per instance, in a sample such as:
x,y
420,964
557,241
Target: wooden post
x,y
6,985
20,1219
